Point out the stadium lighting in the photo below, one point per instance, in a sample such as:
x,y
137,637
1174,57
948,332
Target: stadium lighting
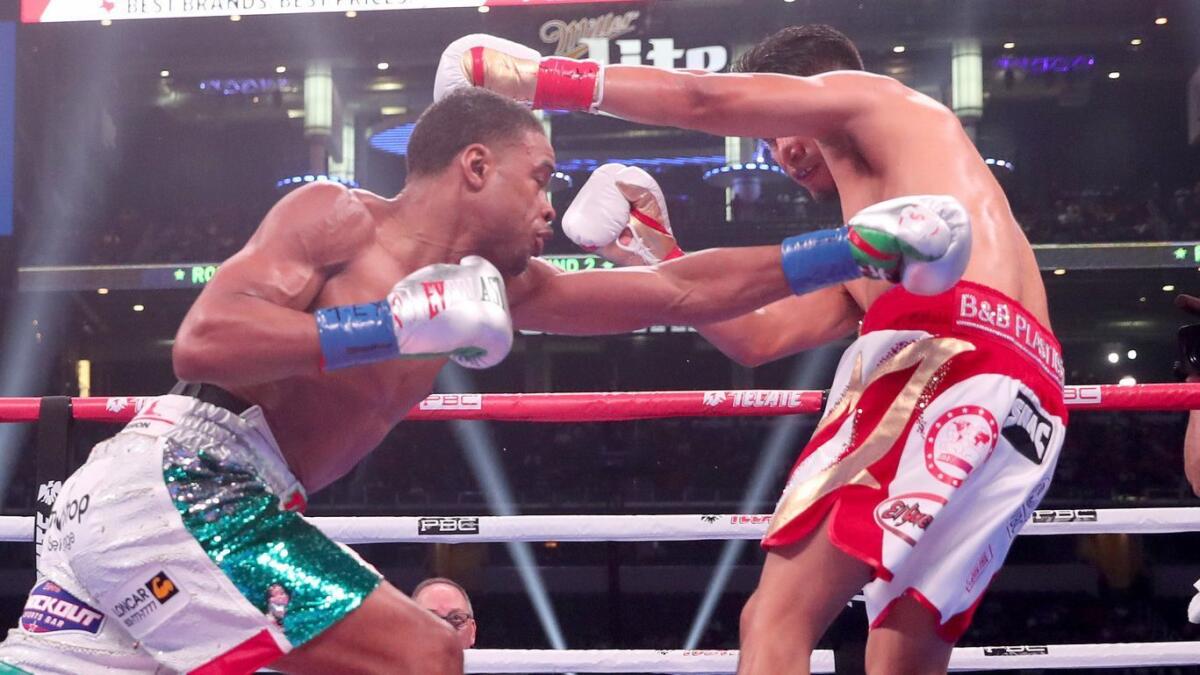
x,y
477,444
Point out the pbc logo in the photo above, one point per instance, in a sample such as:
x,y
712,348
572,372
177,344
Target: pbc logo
x,y
448,525
161,587
1065,516
1082,395
710,518
453,402
1028,429
713,398
1034,650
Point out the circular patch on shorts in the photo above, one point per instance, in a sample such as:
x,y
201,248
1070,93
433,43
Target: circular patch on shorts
x,y
958,442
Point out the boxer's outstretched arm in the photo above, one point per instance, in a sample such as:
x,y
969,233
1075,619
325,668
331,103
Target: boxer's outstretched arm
x,y
702,287
251,323
785,327
764,105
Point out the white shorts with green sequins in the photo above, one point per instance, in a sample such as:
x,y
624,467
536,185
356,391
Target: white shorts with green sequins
x,y
178,547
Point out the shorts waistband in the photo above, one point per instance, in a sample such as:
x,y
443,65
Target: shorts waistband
x,y
211,393
189,420
971,310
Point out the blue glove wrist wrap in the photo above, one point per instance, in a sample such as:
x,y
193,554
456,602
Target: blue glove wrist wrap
x,y
355,334
818,259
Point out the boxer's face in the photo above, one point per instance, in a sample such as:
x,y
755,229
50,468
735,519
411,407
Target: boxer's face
x,y
450,606
801,158
518,210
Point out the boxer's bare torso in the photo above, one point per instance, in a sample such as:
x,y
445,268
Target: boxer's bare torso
x,y
911,145
252,332
326,423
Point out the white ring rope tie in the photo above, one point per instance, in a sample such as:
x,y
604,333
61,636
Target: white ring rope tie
x,y
1118,655
687,527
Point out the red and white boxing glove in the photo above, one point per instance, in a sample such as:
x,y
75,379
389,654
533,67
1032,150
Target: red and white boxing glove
x,y
621,214
520,73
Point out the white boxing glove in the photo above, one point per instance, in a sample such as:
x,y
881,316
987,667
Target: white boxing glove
x,y
456,311
920,241
1194,606
520,73
620,213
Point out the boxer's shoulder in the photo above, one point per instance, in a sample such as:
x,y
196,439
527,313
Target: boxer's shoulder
x,y
329,222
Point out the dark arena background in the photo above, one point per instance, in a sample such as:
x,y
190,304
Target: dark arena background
x,y
141,143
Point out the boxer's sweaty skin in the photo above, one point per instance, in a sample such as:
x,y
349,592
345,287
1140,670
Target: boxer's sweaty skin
x,y
867,137
251,330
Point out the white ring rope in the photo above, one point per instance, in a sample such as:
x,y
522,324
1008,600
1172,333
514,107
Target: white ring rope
x,y
1118,655
688,527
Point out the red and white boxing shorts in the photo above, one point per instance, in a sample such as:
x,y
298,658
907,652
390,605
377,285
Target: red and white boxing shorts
x,y
941,434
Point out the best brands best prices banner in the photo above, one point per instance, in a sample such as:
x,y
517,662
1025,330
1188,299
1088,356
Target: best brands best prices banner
x,y
38,11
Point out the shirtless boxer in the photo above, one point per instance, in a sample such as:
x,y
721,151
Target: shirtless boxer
x,y
945,418
179,544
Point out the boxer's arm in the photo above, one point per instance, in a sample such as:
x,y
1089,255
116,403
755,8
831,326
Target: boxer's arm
x,y
702,287
785,327
764,105
1191,451
1191,447
250,323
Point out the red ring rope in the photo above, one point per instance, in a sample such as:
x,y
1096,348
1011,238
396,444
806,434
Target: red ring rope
x,y
610,407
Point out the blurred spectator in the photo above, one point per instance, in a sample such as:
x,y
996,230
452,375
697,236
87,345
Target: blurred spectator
x,y
449,601
1114,215
211,233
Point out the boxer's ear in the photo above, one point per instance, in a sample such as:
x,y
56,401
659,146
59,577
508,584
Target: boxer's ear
x,y
475,162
